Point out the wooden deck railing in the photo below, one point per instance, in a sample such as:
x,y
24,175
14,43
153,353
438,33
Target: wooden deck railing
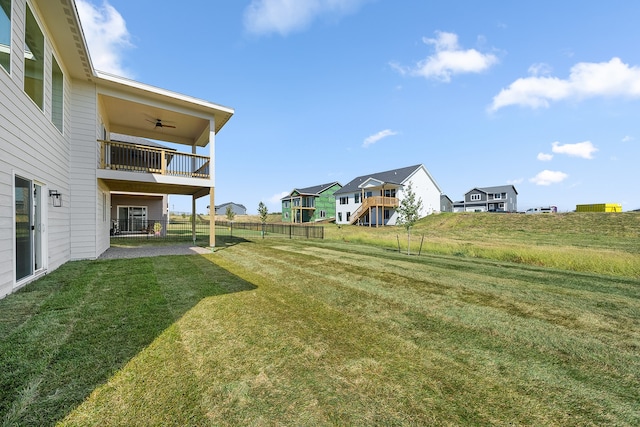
x,y
374,201
140,158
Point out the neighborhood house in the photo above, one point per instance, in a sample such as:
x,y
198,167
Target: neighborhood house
x,y
310,204
503,198
373,199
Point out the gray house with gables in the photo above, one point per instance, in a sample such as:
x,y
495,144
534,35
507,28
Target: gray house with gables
x,y
503,198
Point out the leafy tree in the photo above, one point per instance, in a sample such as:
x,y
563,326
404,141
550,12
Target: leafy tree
x,y
230,213
409,212
263,211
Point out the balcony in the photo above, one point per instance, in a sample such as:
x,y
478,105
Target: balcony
x,y
139,158
373,202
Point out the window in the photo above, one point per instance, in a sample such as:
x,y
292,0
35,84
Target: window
x,y
348,216
57,81
323,214
356,197
286,215
339,216
368,194
34,60
496,196
285,204
344,200
387,214
475,197
390,193
5,34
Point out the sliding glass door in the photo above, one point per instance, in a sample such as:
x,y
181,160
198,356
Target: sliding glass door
x,y
28,227
132,218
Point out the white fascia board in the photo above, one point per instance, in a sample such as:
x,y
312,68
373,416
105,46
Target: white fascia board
x,y
162,92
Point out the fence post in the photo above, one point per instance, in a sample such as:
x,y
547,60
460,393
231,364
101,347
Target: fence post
x,y
290,229
420,250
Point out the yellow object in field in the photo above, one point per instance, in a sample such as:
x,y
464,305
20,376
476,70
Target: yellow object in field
x,y
600,207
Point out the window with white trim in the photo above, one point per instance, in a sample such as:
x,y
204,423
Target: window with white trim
x,y
344,200
475,197
34,60
5,34
57,83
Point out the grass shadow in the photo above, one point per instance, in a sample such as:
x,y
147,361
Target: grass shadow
x,y
69,332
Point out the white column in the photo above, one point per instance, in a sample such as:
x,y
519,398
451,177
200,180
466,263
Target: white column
x,y
212,206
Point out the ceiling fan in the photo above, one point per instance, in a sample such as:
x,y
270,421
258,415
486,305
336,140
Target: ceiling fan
x,y
160,124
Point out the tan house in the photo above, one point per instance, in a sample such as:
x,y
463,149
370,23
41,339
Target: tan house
x,y
59,168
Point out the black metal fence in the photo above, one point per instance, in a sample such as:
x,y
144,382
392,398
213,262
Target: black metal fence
x,y
183,230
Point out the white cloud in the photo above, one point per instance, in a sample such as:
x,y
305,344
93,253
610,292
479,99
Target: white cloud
x,y
544,157
449,59
287,16
547,177
540,69
628,138
276,198
370,140
587,79
584,149
515,181
107,36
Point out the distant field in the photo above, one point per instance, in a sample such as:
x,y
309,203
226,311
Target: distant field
x,y
607,243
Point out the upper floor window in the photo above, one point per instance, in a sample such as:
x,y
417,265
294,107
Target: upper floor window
x,y
5,34
356,197
323,214
57,85
34,60
496,196
390,193
476,196
285,204
344,200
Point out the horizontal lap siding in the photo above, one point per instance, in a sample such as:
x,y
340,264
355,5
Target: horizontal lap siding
x,y
31,147
84,194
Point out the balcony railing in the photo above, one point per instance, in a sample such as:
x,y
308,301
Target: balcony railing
x,y
140,158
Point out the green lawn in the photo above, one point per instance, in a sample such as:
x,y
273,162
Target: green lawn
x,y
290,332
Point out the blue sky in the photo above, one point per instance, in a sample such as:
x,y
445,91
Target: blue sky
x,y
543,95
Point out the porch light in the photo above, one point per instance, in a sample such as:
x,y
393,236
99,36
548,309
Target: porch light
x,y
57,198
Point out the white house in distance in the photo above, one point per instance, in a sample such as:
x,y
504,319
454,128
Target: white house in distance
x,y
58,165
373,199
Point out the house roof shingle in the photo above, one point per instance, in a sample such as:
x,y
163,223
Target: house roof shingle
x,y
393,176
497,189
311,191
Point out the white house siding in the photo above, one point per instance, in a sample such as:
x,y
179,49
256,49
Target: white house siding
x,y
84,191
33,148
424,188
351,207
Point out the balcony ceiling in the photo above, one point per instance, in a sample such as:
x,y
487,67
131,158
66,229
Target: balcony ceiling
x,y
133,108
136,119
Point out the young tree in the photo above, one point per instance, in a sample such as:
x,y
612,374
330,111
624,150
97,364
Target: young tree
x,y
409,213
230,213
263,211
